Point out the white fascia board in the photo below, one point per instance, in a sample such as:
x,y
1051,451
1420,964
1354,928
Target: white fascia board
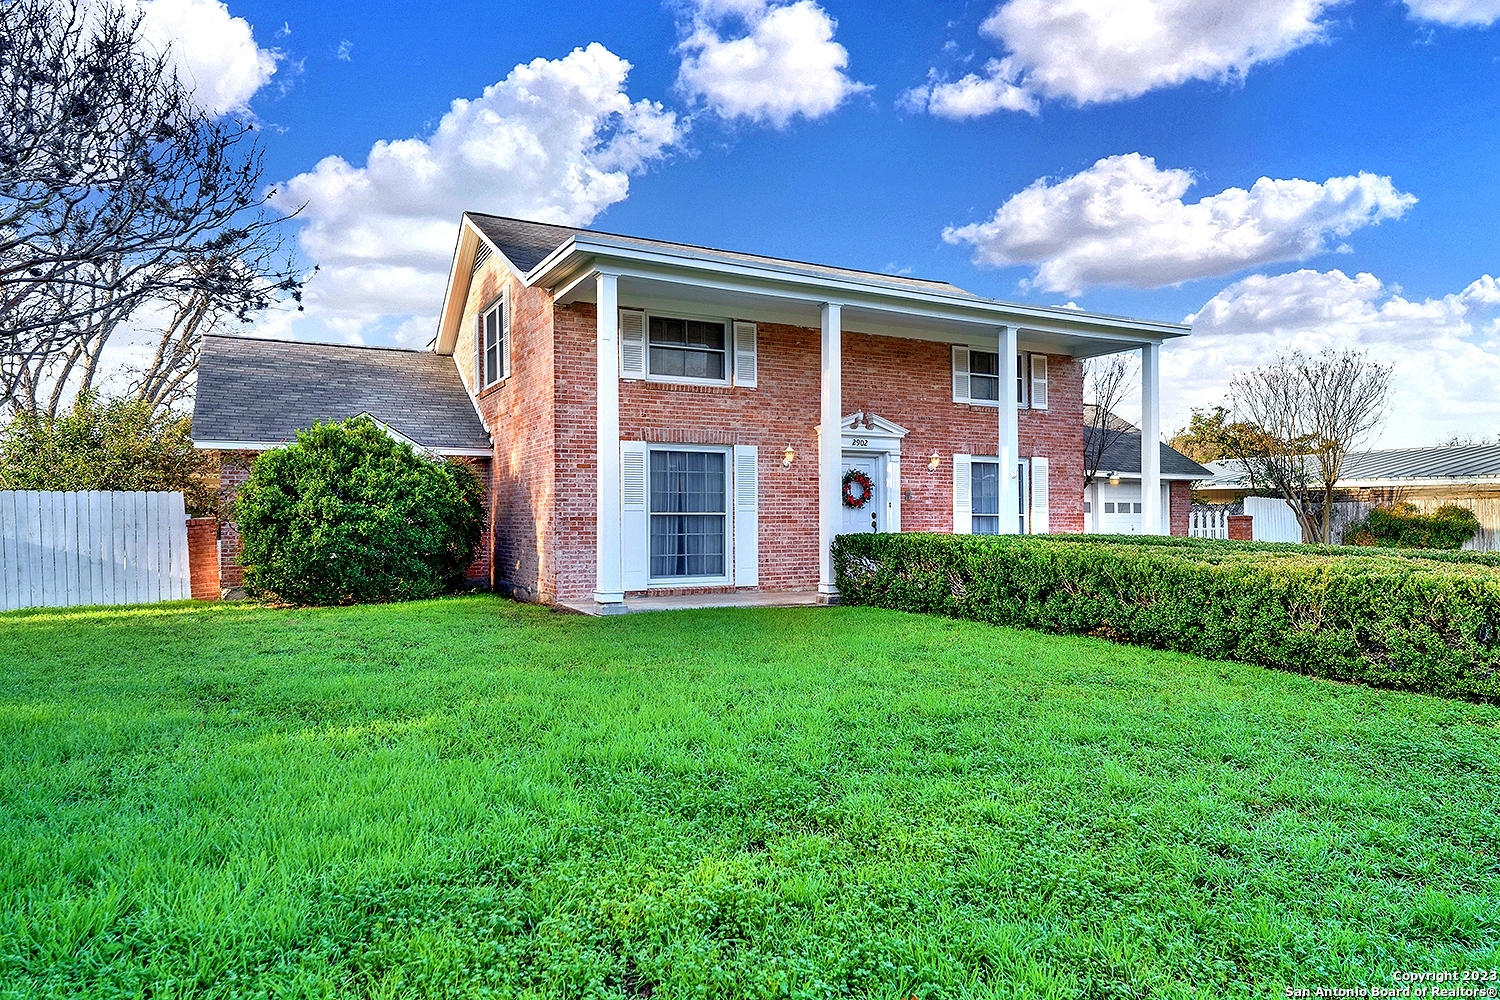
x,y
768,279
459,279
1177,477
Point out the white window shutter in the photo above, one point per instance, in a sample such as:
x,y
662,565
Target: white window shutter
x,y
893,491
960,374
963,489
479,352
1041,521
635,527
746,516
744,354
632,343
505,370
1039,381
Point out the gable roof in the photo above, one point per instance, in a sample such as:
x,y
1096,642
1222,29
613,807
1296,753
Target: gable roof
x,y
526,244
1124,456
254,394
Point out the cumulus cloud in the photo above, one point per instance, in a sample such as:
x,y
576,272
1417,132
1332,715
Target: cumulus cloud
x,y
1457,13
783,62
556,141
1446,351
1123,221
215,52
1097,51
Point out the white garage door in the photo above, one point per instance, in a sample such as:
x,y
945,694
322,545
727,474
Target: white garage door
x,y
1116,510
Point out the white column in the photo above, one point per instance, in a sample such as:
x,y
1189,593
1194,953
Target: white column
x,y
1151,512
609,586
1010,435
830,446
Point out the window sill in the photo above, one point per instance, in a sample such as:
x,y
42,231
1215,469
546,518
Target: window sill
x,y
686,385
492,387
679,582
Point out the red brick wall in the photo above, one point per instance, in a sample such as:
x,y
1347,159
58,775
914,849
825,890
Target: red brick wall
x,y
518,412
1182,507
203,558
785,409
234,469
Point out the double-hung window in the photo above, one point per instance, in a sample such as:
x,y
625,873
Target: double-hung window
x,y
984,498
494,330
686,348
689,514
984,376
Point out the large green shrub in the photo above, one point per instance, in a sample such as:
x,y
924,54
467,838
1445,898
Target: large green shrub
x,y
1378,618
1402,526
347,514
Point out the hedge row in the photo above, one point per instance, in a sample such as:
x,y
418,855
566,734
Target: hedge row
x,y
1381,618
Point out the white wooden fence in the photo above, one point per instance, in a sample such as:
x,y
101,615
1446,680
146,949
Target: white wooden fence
x,y
65,549
1275,521
1209,522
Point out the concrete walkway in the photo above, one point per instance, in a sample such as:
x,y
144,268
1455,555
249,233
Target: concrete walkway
x,y
739,599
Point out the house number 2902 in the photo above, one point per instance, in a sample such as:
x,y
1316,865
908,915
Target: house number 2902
x,y
860,443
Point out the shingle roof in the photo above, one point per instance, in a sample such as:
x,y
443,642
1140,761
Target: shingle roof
x,y
267,390
526,244
1124,455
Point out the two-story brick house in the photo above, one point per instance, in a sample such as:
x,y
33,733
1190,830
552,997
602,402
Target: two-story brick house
x,y
656,411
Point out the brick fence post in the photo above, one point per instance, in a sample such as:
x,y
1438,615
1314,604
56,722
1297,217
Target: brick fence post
x,y
1241,528
203,558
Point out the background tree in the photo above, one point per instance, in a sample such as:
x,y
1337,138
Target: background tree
x,y
1215,436
1107,382
125,444
117,192
1313,412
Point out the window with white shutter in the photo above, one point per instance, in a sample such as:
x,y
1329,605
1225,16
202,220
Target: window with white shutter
x,y
746,516
960,374
744,355
635,528
1038,381
1041,521
962,495
494,351
632,343
984,497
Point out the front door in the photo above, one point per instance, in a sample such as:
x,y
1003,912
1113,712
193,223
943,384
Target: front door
x,y
870,514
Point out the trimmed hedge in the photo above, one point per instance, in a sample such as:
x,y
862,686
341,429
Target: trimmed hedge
x,y
1403,526
1374,616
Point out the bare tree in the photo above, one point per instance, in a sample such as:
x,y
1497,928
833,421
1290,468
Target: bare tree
x,y
116,190
1314,412
1107,382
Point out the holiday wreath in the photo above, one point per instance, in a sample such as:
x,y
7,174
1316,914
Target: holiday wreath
x,y
866,489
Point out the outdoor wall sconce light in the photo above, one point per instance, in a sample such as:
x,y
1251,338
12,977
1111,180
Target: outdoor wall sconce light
x,y
788,456
1114,479
933,462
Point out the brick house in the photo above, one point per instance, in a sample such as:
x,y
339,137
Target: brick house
x,y
656,411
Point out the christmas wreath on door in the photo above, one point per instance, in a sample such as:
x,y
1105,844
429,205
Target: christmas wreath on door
x,y
853,478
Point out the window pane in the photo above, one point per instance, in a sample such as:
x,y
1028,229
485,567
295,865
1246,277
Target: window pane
x,y
668,331
687,348
1109,508
984,387
984,363
985,498
492,346
709,335
986,526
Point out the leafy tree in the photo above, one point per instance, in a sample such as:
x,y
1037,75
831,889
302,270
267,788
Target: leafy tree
x,y
118,193
1215,436
123,444
347,515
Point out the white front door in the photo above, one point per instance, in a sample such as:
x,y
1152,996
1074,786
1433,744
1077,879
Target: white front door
x,y
870,515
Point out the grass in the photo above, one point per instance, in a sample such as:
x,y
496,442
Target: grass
x,y
468,797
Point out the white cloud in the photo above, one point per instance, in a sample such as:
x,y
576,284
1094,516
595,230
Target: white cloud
x,y
1123,221
555,141
1458,13
1446,351
345,51
785,64
215,52
1096,51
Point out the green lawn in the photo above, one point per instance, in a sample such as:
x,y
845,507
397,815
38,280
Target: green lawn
x,y
467,796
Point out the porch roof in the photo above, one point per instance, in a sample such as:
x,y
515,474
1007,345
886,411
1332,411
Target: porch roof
x,y
562,259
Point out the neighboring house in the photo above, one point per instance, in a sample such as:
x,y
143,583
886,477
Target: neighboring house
x,y
254,395
1112,503
1427,478
658,411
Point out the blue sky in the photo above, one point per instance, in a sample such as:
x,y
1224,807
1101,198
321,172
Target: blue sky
x,y
1119,141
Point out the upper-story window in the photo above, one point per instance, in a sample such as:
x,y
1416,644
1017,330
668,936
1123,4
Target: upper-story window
x,y
494,344
984,376
977,378
686,348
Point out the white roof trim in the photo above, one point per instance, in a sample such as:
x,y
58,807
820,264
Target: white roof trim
x,y
273,445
